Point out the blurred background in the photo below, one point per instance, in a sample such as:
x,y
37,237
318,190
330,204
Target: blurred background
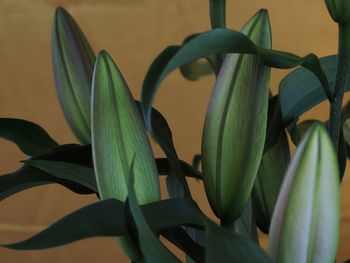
x,y
134,32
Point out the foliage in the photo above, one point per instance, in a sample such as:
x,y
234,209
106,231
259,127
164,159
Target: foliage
x,y
250,179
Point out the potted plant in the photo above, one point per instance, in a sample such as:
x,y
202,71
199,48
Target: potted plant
x,y
251,181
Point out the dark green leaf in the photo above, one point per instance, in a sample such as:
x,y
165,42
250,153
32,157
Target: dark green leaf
x,y
106,218
29,137
269,180
223,246
27,177
82,175
300,90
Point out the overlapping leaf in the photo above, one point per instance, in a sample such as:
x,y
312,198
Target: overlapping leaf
x,y
300,90
269,180
28,136
215,42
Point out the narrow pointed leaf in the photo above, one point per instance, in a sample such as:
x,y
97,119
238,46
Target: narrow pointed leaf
x,y
305,223
28,136
73,63
79,174
152,249
235,126
223,246
300,90
28,177
118,133
269,180
106,218
245,225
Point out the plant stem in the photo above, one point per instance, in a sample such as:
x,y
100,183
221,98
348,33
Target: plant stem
x,y
218,13
340,83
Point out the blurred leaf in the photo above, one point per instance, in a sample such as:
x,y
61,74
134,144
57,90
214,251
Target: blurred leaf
x,y
245,225
275,125
223,246
29,137
118,133
305,223
267,185
235,126
179,237
73,63
300,90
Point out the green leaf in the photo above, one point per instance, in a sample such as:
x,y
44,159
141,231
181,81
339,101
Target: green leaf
x,y
106,218
152,249
28,136
27,177
119,133
300,90
235,126
79,174
223,246
215,42
73,63
245,225
275,125
196,69
305,223
268,182
179,237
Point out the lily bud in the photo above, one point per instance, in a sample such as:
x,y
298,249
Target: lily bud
x,y
305,223
235,125
118,135
339,10
73,63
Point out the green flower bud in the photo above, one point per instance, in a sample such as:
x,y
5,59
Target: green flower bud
x,y
305,223
339,10
235,125
73,63
118,135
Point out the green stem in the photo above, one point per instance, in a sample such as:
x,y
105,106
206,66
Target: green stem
x,y
218,13
340,83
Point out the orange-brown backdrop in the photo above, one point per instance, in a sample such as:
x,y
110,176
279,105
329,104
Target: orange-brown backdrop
x,y
133,32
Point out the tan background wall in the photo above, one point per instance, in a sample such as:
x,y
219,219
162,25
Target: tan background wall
x,y
134,32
